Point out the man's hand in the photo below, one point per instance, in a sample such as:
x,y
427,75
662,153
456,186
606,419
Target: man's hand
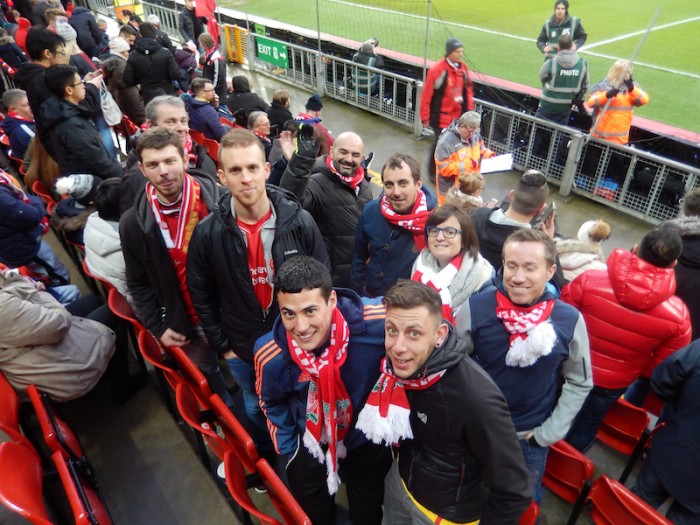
x,y
548,48
94,78
215,102
548,225
230,355
287,144
171,338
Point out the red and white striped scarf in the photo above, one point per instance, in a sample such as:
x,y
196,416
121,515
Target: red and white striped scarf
x,y
531,333
352,181
328,407
440,281
187,219
385,417
413,222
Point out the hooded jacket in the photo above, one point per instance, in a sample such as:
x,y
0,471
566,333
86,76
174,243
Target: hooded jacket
x,y
278,115
552,30
128,98
150,274
243,98
89,35
75,142
218,275
384,253
634,321
335,207
20,133
464,462
153,67
11,53
688,269
576,256
20,227
283,390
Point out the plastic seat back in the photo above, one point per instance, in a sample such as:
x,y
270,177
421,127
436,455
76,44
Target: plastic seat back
x,y
567,472
611,503
153,353
21,478
288,508
9,404
45,194
191,374
106,284
212,149
121,308
197,136
58,435
236,483
87,505
623,426
531,514
236,435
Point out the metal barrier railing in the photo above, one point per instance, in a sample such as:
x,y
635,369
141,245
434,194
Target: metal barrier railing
x,y
395,96
104,7
168,18
632,181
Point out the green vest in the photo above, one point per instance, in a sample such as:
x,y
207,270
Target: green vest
x,y
553,34
364,81
561,89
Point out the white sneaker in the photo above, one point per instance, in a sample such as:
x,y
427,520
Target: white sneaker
x,y
221,471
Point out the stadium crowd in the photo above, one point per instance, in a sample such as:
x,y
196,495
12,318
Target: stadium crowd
x,y
354,317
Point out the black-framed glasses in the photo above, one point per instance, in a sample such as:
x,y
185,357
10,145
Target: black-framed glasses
x,y
448,232
81,83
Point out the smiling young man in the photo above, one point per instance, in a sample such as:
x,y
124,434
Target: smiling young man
x,y
459,460
534,346
234,255
390,233
323,352
156,234
335,191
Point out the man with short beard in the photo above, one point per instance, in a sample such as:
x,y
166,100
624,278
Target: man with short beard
x,y
391,231
335,192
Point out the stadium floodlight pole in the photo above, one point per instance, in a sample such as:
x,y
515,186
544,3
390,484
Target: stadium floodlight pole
x,y
425,49
627,68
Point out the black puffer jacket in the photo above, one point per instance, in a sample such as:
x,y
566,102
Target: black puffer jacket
x,y
150,274
336,209
243,98
464,461
688,269
89,35
153,67
75,142
218,276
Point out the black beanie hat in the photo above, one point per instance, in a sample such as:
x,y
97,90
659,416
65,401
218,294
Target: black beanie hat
x,y
451,45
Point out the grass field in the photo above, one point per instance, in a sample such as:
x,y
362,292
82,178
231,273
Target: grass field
x,y
499,38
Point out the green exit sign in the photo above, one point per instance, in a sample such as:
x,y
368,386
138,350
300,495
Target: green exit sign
x,y
272,52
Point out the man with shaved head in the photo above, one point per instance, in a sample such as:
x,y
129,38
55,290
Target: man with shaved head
x,y
335,191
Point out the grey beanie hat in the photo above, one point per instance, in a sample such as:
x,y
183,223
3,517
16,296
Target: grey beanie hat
x,y
451,45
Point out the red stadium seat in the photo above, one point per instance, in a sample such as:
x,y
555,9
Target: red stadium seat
x,y
611,503
569,475
289,509
21,483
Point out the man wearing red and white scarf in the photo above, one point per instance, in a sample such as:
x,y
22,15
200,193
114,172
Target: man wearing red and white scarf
x,y
314,371
391,230
534,346
459,460
155,235
334,192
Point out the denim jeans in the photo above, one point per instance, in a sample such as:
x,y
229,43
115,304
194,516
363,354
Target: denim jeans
x,y
638,391
244,374
649,487
535,461
592,413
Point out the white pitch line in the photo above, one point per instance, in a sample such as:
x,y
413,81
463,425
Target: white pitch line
x,y
637,33
584,49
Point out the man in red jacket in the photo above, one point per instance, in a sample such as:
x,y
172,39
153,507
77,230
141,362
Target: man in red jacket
x,y
447,93
634,322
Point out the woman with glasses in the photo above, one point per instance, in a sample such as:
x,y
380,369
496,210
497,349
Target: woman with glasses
x,y
451,264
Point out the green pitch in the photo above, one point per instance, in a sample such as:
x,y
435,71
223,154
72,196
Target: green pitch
x,y
499,38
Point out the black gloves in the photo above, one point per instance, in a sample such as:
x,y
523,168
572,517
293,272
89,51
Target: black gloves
x,y
580,107
307,147
630,85
611,93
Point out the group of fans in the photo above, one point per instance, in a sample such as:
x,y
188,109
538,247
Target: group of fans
x,y
353,317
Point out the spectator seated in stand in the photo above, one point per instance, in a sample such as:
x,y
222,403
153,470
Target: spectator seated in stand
x,y
202,109
279,113
18,124
467,193
583,252
187,64
10,52
312,115
259,123
243,98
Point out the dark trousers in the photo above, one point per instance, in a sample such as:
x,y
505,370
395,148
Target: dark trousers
x,y
592,413
431,161
650,489
362,470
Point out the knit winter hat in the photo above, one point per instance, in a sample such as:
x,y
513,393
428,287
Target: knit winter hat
x,y
367,48
314,103
451,45
153,19
191,47
80,187
118,45
594,232
65,30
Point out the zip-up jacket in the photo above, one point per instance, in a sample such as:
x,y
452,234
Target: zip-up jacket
x,y
218,275
545,396
283,389
150,274
447,93
650,323
152,67
565,80
614,124
215,70
464,462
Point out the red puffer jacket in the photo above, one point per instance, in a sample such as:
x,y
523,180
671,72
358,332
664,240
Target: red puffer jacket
x,y
634,321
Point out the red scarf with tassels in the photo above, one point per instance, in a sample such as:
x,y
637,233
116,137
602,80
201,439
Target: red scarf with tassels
x,y
413,222
354,181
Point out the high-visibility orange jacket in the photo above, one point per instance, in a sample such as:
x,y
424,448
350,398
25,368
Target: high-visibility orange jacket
x,y
614,124
454,157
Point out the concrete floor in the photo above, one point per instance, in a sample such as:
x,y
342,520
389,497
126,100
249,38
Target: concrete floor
x,y
148,471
